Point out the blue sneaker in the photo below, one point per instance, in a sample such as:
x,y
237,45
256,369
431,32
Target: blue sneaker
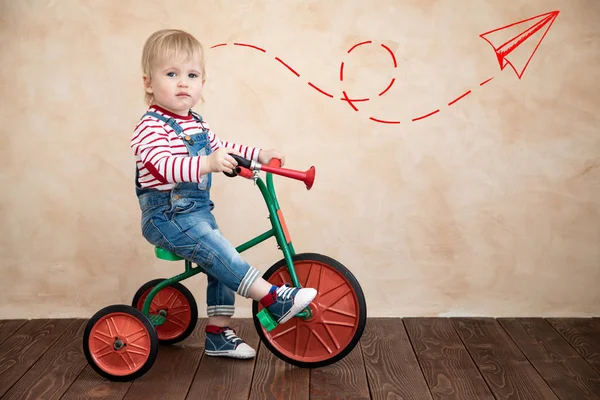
x,y
285,302
225,343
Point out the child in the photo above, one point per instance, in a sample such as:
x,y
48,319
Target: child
x,y
176,154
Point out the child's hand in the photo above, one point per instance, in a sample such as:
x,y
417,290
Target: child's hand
x,y
221,161
266,155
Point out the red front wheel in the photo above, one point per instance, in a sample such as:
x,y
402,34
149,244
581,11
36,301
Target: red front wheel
x,y
339,313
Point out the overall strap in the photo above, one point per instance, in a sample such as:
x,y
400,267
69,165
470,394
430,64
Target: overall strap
x,y
169,121
199,119
197,116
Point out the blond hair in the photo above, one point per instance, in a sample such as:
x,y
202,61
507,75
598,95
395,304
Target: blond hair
x,y
168,43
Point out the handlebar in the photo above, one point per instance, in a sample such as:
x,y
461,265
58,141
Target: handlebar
x,y
246,167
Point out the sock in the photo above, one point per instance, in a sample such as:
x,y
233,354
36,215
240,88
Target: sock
x,y
215,329
269,297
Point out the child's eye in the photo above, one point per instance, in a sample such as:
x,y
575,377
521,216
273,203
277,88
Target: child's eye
x,y
192,75
171,74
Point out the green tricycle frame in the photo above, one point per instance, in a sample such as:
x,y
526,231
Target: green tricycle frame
x,y
121,341
278,229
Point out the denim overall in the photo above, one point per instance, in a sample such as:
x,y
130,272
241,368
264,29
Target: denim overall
x,y
181,221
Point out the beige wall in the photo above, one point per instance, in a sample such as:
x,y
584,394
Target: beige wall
x,y
490,207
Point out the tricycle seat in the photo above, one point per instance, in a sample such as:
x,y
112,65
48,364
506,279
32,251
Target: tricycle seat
x,y
166,254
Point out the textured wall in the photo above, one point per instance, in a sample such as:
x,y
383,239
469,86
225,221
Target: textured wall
x,y
491,206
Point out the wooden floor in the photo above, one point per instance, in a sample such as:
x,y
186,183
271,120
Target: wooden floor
x,y
410,358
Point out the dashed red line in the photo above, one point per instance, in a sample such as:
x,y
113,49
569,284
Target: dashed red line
x,y
389,86
288,67
459,97
391,54
250,45
427,115
320,90
359,44
345,95
351,101
383,121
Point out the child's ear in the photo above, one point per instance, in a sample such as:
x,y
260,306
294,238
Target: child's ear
x,y
147,84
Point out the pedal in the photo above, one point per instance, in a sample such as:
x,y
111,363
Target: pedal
x,y
266,319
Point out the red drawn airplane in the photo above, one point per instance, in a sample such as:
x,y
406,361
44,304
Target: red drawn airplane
x,y
519,60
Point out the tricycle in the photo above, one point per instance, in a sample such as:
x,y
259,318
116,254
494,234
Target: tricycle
x,y
121,341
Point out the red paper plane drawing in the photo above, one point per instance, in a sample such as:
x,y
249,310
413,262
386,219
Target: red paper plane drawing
x,y
530,30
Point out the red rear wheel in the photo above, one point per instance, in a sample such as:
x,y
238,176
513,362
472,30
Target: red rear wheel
x,y
339,313
120,343
176,303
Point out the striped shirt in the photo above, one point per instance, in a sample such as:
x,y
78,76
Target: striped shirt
x,y
161,156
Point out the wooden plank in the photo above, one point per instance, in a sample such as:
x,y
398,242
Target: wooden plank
x,y
391,364
226,378
446,364
55,371
583,334
346,379
503,366
569,376
90,385
173,371
19,352
278,380
9,326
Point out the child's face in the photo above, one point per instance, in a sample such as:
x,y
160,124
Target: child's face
x,y
176,84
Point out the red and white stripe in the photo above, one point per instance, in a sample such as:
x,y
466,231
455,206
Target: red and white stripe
x,y
161,155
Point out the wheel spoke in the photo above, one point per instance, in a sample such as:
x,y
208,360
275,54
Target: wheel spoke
x,y
339,298
328,329
102,340
122,355
129,337
347,314
129,320
307,342
103,334
138,347
320,279
110,331
177,321
139,353
284,332
282,277
314,332
174,296
297,344
98,353
331,290
310,270
338,323
178,310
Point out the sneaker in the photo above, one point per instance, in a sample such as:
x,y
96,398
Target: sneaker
x,y
225,343
285,302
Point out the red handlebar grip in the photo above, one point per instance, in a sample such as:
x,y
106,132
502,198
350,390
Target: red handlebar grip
x,y
244,172
275,162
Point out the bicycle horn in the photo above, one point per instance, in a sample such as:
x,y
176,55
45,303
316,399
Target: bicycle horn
x,y
308,176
